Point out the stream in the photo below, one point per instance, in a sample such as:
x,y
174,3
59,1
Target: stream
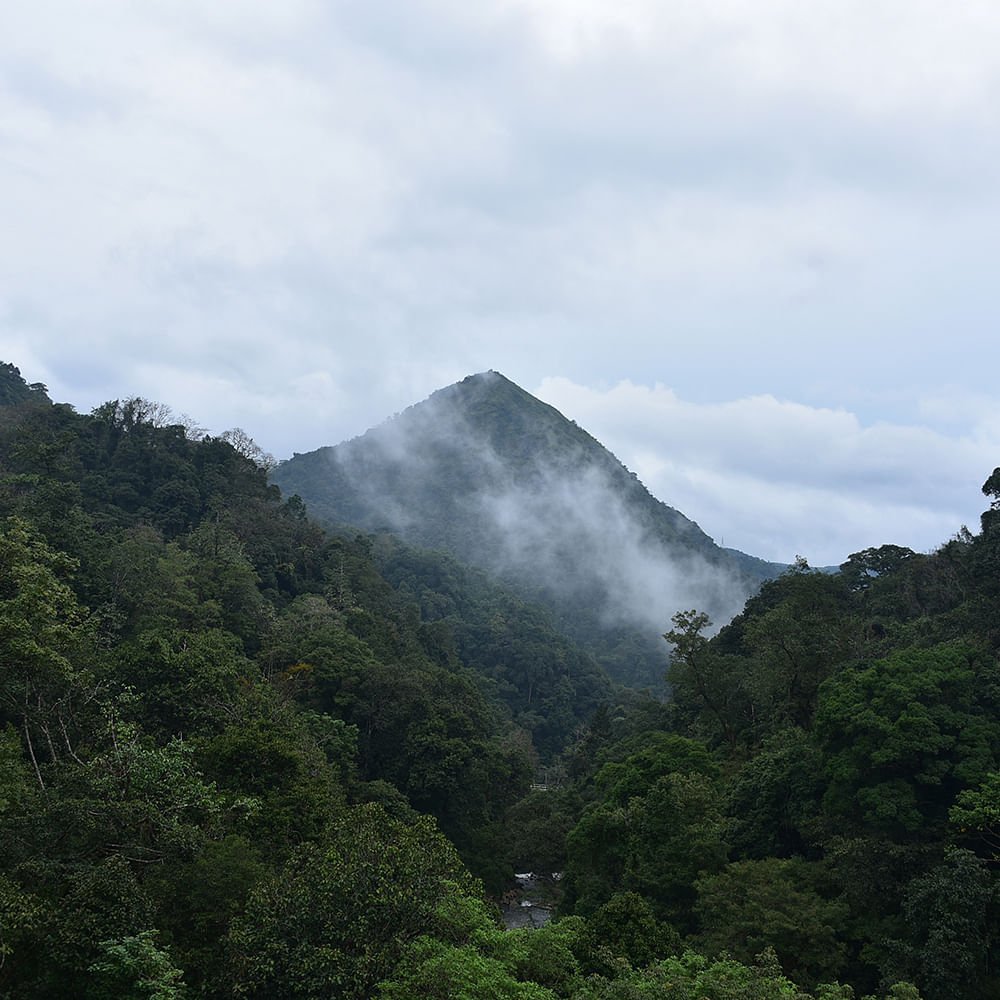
x,y
531,900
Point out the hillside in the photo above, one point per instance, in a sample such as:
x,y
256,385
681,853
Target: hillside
x,y
500,480
241,758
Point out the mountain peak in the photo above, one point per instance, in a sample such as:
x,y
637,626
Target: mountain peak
x,y
503,481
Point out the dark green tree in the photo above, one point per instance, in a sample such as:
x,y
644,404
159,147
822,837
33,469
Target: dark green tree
x,y
715,684
339,917
901,737
952,922
773,903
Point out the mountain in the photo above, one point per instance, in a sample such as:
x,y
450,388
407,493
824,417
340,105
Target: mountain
x,y
502,481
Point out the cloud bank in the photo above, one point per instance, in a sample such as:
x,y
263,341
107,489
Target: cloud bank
x,y
780,479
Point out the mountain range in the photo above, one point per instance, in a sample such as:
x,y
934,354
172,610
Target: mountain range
x,y
504,482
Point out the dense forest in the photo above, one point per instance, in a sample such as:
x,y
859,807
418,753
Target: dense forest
x,y
241,757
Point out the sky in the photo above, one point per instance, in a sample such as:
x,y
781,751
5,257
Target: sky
x,y
752,248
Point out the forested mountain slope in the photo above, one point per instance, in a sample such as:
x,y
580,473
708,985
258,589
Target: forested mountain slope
x,y
502,481
241,758
196,680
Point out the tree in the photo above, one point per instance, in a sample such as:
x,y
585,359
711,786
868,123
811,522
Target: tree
x,y
975,816
986,561
22,915
773,903
715,683
862,568
692,976
902,736
991,488
655,844
134,968
14,390
78,907
45,642
624,928
796,645
437,970
952,930
249,448
771,802
340,916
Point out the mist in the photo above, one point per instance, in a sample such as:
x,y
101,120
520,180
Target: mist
x,y
574,535
503,482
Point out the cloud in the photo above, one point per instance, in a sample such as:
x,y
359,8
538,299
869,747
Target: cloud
x,y
779,479
300,218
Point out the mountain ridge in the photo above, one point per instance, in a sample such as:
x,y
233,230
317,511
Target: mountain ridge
x,y
497,478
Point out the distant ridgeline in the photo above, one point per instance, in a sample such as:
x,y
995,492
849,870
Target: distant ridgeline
x,y
14,390
502,481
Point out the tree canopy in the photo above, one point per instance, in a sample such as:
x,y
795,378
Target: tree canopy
x,y
241,756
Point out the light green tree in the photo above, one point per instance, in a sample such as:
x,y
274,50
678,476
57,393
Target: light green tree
x,y
134,968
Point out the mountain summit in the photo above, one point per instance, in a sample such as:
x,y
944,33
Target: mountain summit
x,y
499,479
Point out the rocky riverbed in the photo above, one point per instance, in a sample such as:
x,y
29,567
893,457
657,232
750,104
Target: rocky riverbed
x,y
531,900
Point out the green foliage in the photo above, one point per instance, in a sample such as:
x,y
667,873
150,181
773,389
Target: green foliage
x,y
547,683
638,762
691,976
44,645
436,970
196,899
74,909
714,684
288,790
772,800
949,912
773,903
14,390
902,736
650,832
976,814
339,917
624,929
134,968
21,916
870,874
798,643
535,830
188,681
546,955
863,569
764,670
153,800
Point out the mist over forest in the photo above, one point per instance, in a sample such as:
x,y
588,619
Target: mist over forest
x,y
253,746
502,481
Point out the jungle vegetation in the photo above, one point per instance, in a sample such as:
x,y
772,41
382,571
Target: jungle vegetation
x,y
243,757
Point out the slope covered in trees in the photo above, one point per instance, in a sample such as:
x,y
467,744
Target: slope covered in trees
x,y
240,757
500,480
825,782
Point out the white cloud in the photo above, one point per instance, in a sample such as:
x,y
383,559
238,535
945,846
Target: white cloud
x,y
779,479
312,215
877,58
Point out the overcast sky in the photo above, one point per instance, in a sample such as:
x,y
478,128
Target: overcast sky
x,y
752,248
